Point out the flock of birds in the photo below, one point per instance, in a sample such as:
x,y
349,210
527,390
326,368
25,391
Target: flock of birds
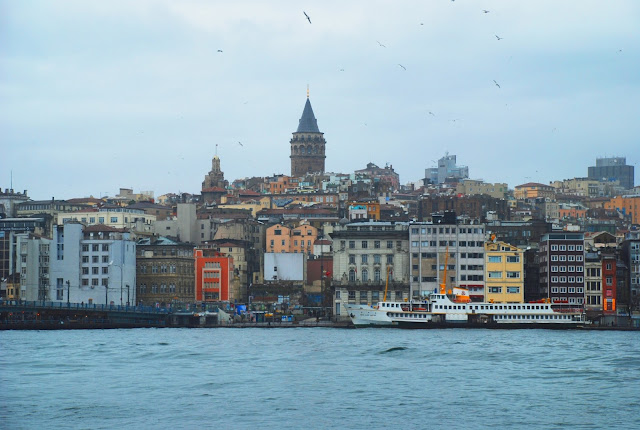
x,y
381,45
308,18
400,65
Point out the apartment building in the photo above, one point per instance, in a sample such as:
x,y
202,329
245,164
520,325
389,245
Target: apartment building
x,y
561,258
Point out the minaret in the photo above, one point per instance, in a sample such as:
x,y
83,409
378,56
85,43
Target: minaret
x,y
307,144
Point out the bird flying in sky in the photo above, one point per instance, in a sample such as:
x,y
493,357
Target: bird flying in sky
x,y
494,81
402,66
305,14
485,11
381,44
499,38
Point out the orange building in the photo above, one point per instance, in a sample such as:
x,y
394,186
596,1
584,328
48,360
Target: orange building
x,y
629,205
295,240
571,212
214,273
280,184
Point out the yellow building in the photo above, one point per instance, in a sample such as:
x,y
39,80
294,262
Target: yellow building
x,y
504,273
254,205
533,190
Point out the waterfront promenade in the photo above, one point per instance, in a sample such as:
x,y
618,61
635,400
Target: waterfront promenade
x,y
40,315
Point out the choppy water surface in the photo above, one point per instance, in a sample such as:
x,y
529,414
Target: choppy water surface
x,y
319,378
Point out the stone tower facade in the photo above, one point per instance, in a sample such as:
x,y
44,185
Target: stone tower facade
x,y
307,145
214,185
215,178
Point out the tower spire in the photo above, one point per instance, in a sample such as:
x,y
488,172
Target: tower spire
x,y
307,90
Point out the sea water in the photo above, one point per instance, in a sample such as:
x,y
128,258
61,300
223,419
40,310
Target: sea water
x,y
319,378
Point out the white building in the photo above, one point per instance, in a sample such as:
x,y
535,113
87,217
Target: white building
x,y
429,244
92,265
284,266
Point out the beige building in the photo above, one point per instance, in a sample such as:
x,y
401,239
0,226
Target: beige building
x,y
253,204
504,273
362,254
473,186
113,216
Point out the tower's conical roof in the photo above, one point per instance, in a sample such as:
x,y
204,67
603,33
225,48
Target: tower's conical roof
x,y
308,122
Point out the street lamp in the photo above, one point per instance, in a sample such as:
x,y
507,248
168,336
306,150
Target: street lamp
x,y
121,278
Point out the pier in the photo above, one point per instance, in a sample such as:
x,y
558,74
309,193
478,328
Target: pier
x,y
42,315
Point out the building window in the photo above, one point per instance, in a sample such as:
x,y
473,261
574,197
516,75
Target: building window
x,y
495,289
114,219
495,259
389,244
389,259
85,248
352,275
364,258
376,275
95,248
352,259
513,259
376,244
365,275
365,244
513,290
352,244
513,275
495,274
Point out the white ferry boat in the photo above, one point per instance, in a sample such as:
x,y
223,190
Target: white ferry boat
x,y
441,309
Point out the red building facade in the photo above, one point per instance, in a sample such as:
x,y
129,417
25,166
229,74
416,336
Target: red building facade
x,y
609,283
214,272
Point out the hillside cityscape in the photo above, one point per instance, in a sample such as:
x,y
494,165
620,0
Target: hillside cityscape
x,y
308,242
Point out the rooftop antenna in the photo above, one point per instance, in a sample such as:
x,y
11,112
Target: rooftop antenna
x,y
216,149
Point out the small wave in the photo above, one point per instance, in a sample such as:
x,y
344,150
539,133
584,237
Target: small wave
x,y
163,343
395,348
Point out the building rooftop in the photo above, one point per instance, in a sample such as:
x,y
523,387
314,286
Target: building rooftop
x,y
308,122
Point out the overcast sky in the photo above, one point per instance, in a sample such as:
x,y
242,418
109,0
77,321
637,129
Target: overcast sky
x,y
98,95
